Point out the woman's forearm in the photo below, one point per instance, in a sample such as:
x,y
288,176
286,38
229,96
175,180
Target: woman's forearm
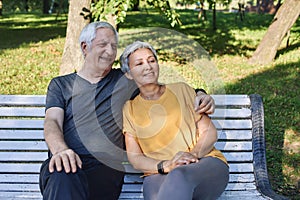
x,y
143,163
207,137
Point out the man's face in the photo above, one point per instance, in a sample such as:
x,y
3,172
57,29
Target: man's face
x,y
103,50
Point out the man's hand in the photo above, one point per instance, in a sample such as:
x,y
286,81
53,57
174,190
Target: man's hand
x,y
204,103
67,160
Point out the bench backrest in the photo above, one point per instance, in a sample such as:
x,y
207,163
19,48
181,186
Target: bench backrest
x,y
22,147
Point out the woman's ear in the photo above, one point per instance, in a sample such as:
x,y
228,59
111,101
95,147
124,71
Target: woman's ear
x,y
128,75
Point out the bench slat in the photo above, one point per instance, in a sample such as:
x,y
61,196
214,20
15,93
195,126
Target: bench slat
x,y
40,99
38,134
20,195
24,145
241,168
22,112
240,186
126,187
234,146
23,156
20,168
22,134
19,178
230,187
21,123
34,168
234,135
233,178
242,195
233,124
228,195
38,124
19,187
131,195
129,179
239,157
23,100
231,100
41,145
233,168
40,112
231,113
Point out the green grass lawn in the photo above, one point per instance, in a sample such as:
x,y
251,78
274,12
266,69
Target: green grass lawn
x,y
31,47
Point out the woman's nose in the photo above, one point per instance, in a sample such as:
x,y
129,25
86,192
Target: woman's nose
x,y
148,66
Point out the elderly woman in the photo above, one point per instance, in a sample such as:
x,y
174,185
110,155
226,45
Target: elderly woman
x,y
165,138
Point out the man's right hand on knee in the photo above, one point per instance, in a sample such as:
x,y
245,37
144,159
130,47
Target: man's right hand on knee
x,y
67,160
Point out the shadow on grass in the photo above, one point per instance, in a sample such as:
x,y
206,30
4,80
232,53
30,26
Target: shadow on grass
x,y
24,29
281,107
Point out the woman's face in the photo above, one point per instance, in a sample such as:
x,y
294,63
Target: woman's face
x,y
144,68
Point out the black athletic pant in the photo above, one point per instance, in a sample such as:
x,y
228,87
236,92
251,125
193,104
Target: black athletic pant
x,y
95,181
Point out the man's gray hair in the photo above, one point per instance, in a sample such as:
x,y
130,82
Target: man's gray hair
x,y
88,33
124,58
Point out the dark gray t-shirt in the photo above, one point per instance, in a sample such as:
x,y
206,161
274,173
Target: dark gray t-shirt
x,y
92,112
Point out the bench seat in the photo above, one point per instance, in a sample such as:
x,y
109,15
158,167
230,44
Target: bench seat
x,y
239,120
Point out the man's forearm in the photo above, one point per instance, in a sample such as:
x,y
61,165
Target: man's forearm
x,y
54,137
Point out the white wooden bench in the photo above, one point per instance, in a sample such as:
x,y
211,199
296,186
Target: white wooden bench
x,y
238,118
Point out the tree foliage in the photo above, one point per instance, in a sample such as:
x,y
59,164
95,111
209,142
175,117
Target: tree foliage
x,y
103,9
164,8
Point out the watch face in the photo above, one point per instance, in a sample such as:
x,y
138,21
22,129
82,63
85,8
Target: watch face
x,y
160,167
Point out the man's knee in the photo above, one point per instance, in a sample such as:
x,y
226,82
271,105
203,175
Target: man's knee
x,y
61,185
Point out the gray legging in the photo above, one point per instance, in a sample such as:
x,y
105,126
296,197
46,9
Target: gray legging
x,y
205,180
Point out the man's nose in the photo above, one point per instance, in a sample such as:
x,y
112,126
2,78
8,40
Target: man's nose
x,y
110,49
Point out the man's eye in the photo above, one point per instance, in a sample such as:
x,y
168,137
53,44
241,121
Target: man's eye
x,y
113,46
102,44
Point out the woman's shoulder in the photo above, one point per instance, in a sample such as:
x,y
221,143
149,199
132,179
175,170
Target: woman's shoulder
x,y
179,86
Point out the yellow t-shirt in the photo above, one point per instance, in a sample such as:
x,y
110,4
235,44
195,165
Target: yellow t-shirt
x,y
165,126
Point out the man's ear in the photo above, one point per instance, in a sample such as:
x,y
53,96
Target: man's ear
x,y
84,48
128,75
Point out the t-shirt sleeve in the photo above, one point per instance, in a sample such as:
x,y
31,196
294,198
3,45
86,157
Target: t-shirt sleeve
x,y
54,96
190,94
128,126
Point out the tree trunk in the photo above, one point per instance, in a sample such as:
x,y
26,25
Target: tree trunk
x,y
267,6
26,7
284,19
1,7
214,16
72,56
46,6
136,5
